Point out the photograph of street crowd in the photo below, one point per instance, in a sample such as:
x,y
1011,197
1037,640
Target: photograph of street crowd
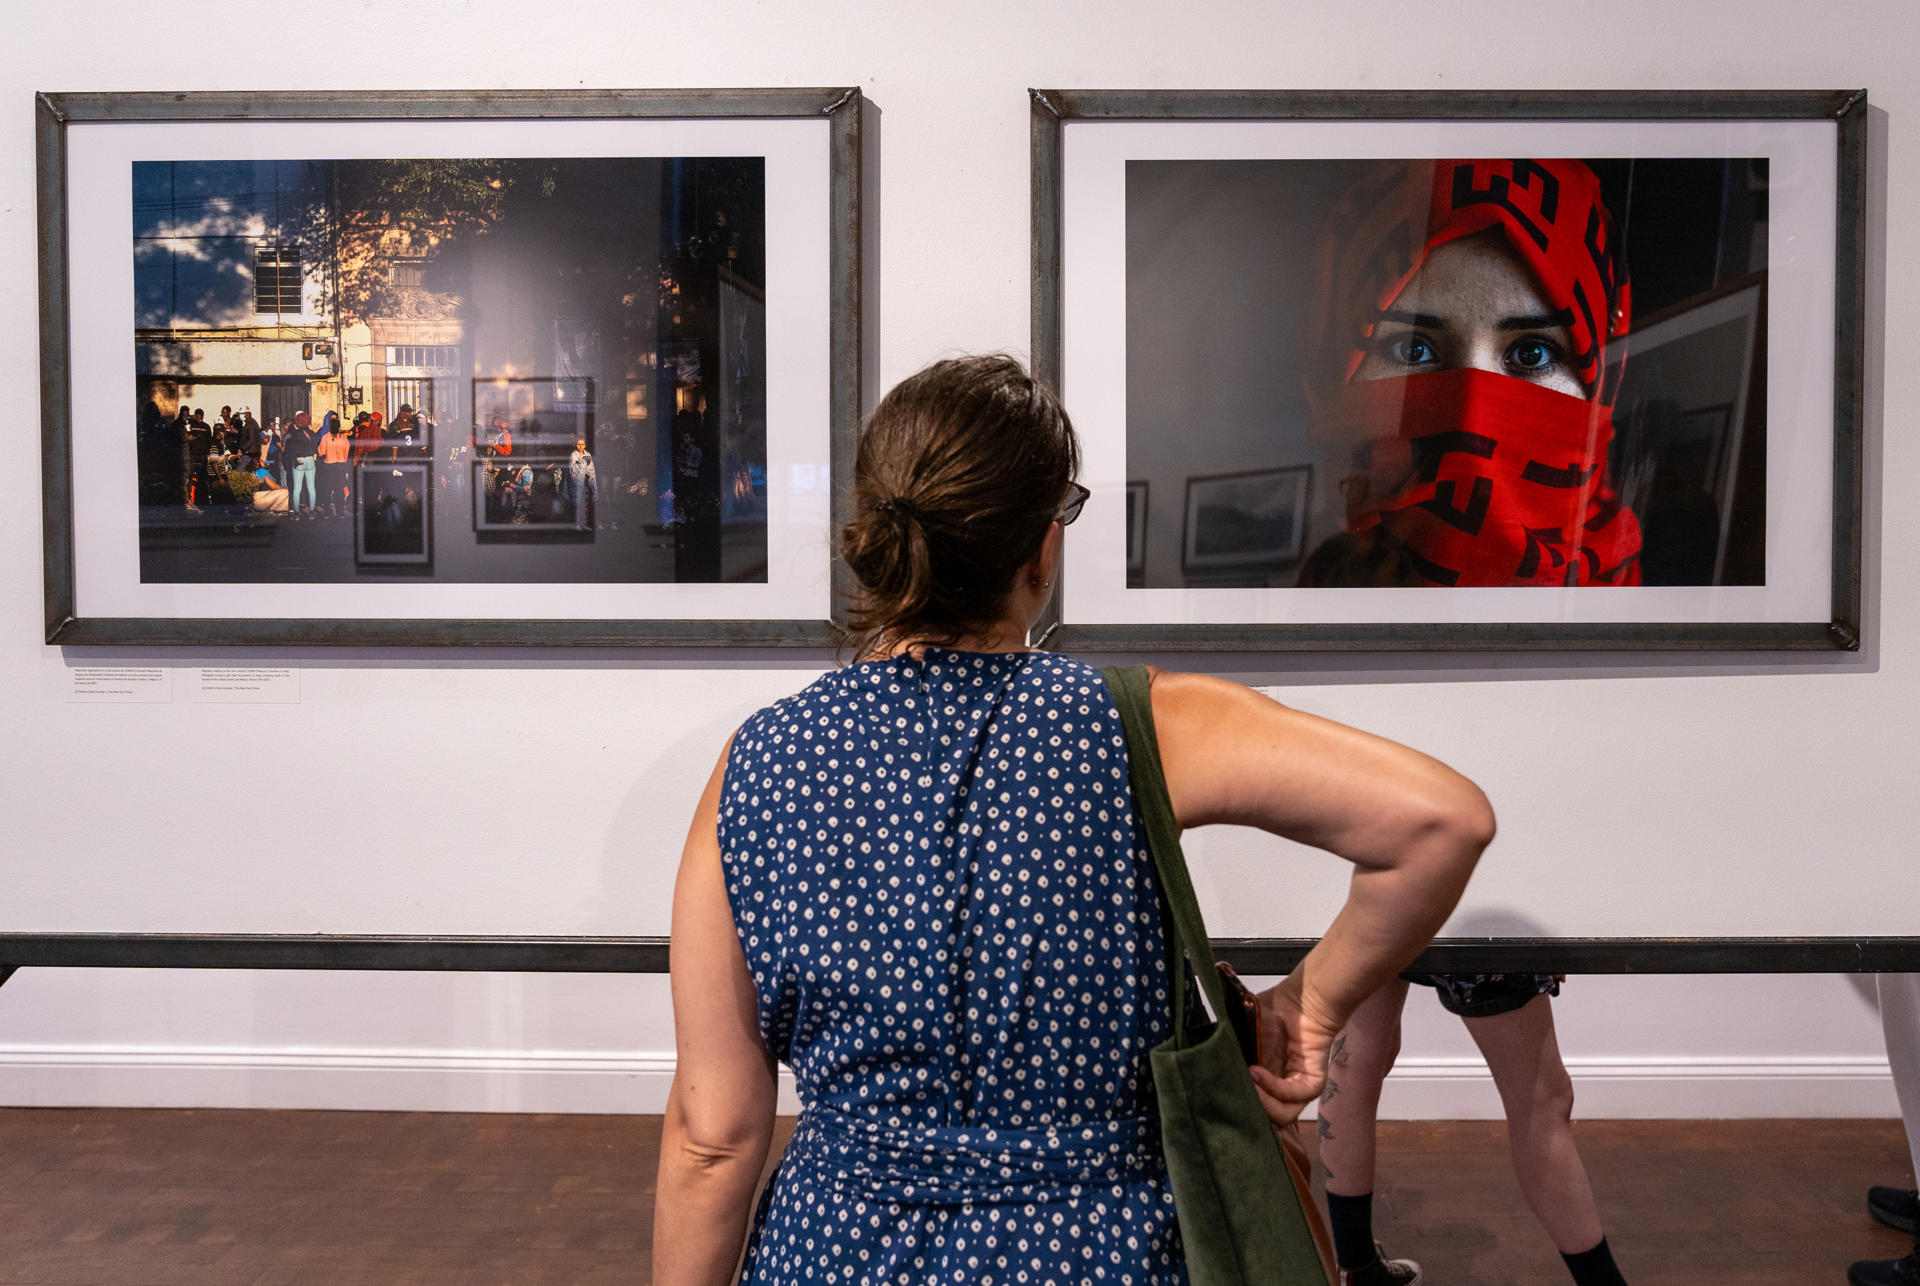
x,y
476,371
1447,373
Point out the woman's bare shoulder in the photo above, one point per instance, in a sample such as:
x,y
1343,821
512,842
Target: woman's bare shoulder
x,y
1180,695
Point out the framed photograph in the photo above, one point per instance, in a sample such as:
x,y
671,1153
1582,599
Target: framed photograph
x,y
528,368
1241,528
1567,370
392,515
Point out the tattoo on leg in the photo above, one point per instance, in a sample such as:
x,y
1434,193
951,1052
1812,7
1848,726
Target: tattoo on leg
x,y
1338,1056
1324,1128
1326,1095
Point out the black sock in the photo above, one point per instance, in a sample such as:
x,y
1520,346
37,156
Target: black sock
x,y
1594,1267
1351,1219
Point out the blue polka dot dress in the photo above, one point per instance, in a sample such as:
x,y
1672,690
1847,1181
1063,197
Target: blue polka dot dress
x,y
950,917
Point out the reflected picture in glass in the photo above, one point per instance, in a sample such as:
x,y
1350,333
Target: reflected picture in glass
x,y
392,514
1243,525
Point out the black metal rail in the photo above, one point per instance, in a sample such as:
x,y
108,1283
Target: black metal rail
x,y
650,954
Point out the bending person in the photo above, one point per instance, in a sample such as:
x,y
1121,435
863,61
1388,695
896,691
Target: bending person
x,y
1898,1208
1465,309
921,883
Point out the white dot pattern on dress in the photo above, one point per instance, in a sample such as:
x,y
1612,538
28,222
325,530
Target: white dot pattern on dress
x,y
950,916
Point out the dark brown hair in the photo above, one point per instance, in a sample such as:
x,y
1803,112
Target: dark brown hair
x,y
960,470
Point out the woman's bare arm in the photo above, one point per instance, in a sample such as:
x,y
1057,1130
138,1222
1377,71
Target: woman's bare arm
x,y
719,1119
1412,827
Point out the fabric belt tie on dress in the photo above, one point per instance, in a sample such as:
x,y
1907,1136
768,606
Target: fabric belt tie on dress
x,y
952,1165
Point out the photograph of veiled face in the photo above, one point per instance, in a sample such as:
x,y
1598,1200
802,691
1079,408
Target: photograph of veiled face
x,y
1498,372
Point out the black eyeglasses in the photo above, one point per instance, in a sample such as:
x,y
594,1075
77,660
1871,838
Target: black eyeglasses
x,y
1076,499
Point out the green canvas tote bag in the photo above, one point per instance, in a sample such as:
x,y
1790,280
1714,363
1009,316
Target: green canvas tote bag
x,y
1239,1213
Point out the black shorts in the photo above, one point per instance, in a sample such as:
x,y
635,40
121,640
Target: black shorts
x,y
1483,995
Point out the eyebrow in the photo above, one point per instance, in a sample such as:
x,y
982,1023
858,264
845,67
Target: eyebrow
x,y
1535,321
1424,321
1432,321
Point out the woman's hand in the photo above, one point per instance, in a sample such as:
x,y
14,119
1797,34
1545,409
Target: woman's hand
x,y
1294,1041
1412,828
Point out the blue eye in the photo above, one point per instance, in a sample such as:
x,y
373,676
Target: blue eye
x,y
1412,350
1532,356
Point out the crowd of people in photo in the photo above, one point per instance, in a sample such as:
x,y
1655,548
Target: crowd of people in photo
x,y
289,468
297,468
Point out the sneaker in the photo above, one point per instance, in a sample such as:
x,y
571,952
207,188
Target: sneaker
x,y
1395,1272
1897,1208
1886,1272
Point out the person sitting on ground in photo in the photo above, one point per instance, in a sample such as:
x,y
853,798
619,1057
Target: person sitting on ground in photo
x,y
922,883
1895,1206
219,459
266,479
272,443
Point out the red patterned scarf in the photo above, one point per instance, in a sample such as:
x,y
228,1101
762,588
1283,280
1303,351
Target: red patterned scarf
x,y
1483,479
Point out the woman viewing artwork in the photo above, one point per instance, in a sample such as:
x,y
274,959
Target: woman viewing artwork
x,y
921,884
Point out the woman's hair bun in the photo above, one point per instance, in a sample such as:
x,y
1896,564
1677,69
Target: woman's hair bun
x,y
959,472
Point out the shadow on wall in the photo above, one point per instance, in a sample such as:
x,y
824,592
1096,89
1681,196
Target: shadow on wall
x,y
1496,922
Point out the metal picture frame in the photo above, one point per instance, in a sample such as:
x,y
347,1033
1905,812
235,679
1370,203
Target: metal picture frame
x,y
1137,495
838,318
1831,623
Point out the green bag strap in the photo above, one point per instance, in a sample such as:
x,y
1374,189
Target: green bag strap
x,y
1189,950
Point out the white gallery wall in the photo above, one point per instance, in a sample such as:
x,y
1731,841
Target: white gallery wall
x,y
1715,785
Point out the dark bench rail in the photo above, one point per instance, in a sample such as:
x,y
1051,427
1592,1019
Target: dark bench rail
x,y
649,954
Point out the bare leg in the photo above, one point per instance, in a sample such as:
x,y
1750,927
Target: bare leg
x,y
1524,1057
1359,1060
1900,1017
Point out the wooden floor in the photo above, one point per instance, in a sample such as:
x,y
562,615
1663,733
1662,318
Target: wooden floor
x,y
341,1198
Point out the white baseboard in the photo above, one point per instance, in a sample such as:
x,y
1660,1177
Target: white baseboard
x,y
357,1079
442,1080
1460,1089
